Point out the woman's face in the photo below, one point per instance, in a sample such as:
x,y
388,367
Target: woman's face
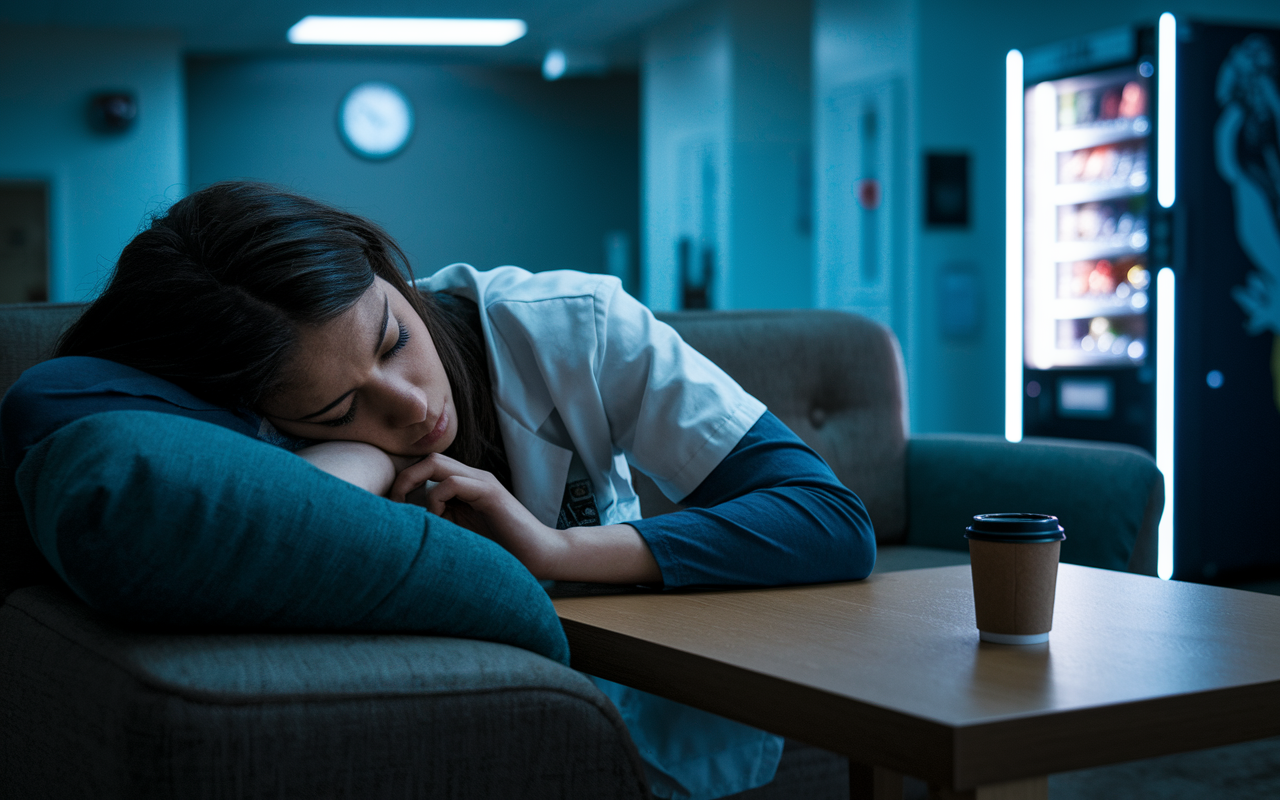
x,y
371,375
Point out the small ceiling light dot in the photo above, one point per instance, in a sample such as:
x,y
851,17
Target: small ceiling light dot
x,y
554,65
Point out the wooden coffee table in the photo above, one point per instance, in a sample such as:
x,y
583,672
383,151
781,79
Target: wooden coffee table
x,y
890,673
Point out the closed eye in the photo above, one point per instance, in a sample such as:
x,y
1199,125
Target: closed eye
x,y
400,342
344,419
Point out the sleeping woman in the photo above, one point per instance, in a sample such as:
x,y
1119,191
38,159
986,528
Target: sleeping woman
x,y
511,403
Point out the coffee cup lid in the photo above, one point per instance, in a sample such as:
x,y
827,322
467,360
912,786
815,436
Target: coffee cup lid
x,y
1015,527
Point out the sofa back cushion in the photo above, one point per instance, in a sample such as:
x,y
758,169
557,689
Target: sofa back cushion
x,y
834,378
28,334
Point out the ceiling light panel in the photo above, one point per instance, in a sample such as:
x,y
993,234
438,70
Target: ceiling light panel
x,y
407,31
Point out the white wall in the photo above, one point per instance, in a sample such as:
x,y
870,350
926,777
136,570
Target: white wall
x,y
101,185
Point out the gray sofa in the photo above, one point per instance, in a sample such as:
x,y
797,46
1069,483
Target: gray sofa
x,y
92,707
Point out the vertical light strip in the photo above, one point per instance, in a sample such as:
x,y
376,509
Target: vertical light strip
x,y
1040,223
1164,413
1166,129
1013,246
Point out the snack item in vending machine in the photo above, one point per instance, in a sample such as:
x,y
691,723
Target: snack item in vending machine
x,y
1086,106
1102,278
1133,100
1109,108
1119,277
1124,163
1067,110
1105,336
1116,222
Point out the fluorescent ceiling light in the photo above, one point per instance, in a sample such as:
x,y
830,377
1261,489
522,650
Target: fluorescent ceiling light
x,y
407,31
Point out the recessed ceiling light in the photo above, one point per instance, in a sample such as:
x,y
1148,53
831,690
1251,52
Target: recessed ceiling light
x,y
554,65
407,31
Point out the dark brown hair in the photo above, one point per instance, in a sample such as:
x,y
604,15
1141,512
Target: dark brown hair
x,y
211,295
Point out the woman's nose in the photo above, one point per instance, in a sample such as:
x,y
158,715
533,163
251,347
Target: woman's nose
x,y
407,405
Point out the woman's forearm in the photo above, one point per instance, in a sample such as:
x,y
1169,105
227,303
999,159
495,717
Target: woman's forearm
x,y
356,463
605,554
771,513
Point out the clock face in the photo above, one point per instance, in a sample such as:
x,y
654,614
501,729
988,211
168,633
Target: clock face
x,y
376,120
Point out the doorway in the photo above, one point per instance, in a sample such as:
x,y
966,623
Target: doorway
x,y
24,242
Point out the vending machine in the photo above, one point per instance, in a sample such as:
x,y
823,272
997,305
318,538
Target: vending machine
x,y
1143,269
1087,281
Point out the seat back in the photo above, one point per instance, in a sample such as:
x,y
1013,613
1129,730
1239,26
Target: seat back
x,y
834,378
28,335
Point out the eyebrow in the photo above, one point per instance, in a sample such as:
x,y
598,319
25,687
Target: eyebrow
x,y
377,345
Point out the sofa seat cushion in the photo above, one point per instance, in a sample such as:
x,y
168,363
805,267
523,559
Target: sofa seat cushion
x,y
94,708
894,558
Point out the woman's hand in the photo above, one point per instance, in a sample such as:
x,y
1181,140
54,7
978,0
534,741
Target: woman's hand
x,y
476,500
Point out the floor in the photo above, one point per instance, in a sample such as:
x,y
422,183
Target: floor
x,y
1249,771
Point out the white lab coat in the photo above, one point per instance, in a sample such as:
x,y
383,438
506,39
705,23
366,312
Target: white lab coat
x,y
579,366
625,386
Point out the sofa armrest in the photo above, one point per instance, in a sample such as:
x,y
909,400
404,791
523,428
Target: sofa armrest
x,y
92,708
1109,497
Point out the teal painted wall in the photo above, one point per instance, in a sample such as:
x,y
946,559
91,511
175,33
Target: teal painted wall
x,y
503,167
726,94
101,185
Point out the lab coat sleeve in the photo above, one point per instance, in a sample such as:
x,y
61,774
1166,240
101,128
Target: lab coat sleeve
x,y
771,513
671,411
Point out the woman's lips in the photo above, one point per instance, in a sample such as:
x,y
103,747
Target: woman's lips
x,y
442,425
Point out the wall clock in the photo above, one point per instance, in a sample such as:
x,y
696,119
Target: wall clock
x,y
375,120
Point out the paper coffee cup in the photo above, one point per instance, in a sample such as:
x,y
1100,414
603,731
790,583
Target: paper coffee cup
x,y
1014,562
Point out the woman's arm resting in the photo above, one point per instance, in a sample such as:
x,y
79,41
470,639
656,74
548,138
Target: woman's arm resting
x,y
771,513
477,501
355,462
605,554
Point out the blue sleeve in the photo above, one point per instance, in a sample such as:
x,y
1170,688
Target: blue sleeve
x,y
59,391
771,513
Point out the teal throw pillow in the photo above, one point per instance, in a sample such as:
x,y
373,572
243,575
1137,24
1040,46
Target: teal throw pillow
x,y
164,520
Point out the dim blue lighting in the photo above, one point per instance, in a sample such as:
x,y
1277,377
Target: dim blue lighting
x,y
1214,379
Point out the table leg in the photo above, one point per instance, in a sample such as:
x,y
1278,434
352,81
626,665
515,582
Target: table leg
x,y
1030,789
873,783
